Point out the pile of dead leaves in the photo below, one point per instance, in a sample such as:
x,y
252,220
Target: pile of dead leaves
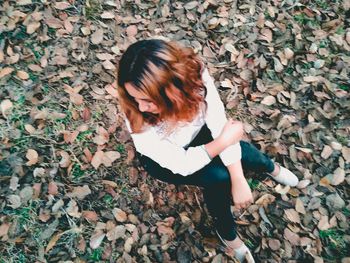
x,y
71,187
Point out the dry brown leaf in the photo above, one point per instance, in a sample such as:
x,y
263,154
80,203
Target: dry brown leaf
x,y
326,152
119,215
299,206
73,209
14,201
274,244
68,26
269,100
23,2
62,5
265,200
96,239
4,228
116,233
32,27
65,161
90,215
346,154
97,36
52,188
111,90
52,242
109,157
323,224
292,215
5,106
14,183
5,71
108,65
80,192
107,15
277,65
54,22
131,31
289,54
293,238
32,157
29,128
338,176
76,99
97,159
69,137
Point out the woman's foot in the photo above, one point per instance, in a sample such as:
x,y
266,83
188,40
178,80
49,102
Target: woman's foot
x,y
284,176
241,251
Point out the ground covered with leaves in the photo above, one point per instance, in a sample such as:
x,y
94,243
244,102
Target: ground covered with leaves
x,y
71,187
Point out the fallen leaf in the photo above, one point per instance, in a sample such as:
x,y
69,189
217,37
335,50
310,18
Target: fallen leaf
x,y
32,157
108,65
107,15
269,100
111,90
326,152
65,161
274,244
119,215
323,223
97,159
52,242
52,188
96,239
5,71
131,31
293,238
14,183
14,201
109,157
62,5
97,36
292,215
299,206
5,106
32,27
90,215
116,233
80,192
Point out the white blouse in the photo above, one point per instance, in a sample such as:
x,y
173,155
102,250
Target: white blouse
x,y
168,151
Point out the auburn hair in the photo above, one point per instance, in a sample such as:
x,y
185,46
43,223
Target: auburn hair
x,y
169,74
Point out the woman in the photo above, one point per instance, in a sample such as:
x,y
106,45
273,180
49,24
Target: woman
x,y
179,127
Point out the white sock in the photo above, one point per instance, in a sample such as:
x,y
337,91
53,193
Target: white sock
x,y
243,253
286,177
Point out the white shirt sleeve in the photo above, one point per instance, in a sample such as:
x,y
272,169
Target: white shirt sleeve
x,y
216,118
169,155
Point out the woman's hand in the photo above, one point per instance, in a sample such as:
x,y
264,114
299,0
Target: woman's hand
x,y
241,193
232,132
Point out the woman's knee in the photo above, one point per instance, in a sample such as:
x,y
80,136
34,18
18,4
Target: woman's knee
x,y
218,175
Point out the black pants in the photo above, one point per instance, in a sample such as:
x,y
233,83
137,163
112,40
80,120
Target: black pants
x,y
214,178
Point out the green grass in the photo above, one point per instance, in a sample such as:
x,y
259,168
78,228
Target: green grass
x,y
334,239
253,183
92,9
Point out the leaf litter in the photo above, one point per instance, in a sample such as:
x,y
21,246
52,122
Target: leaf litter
x,y
71,186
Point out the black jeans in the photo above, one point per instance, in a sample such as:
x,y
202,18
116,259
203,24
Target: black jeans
x,y
214,178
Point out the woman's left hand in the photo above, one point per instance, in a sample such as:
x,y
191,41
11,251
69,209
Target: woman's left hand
x,y
241,193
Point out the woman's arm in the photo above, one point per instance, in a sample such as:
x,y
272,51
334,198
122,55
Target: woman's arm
x,y
215,119
241,193
176,158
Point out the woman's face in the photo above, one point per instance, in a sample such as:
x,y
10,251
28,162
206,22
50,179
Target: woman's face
x,y
144,102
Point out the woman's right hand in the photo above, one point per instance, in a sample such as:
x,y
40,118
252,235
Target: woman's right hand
x,y
232,132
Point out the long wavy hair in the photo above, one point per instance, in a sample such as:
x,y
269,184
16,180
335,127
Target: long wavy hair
x,y
167,73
